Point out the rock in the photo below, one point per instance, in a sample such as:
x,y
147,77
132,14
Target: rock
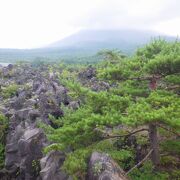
x,y
60,94
88,73
88,79
11,150
24,94
36,85
38,97
10,67
22,114
4,110
17,103
48,106
33,114
74,105
5,175
6,72
31,103
97,85
24,151
50,166
102,167
41,89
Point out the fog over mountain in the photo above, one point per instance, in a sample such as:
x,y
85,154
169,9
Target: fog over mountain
x,y
34,24
85,43
123,39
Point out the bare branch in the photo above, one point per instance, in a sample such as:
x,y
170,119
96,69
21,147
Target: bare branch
x,y
175,87
146,78
167,129
126,135
141,162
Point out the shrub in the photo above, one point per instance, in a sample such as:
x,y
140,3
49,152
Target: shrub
x,y
9,91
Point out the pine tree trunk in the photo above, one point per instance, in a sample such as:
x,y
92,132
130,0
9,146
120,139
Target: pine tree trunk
x,y
155,156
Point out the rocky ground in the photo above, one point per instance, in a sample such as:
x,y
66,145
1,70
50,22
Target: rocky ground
x,y
39,94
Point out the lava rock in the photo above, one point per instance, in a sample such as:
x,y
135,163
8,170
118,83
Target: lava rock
x,y
102,167
50,166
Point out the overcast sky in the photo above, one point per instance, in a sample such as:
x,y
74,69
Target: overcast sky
x,y
35,23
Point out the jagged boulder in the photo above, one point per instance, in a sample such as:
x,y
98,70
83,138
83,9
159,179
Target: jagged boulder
x,y
88,79
27,94
12,159
50,166
31,103
37,98
74,105
22,114
48,106
30,150
36,84
17,103
96,85
6,72
41,89
33,114
10,67
88,73
60,93
102,167
24,151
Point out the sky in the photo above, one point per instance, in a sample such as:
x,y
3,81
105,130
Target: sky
x,y
37,23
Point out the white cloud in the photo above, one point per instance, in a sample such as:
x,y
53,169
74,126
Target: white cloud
x,y
34,23
171,27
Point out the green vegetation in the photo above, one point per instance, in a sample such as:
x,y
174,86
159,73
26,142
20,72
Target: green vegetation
x,y
144,97
9,90
36,167
3,129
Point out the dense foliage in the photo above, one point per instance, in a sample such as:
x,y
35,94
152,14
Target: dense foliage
x,y
9,90
3,129
144,91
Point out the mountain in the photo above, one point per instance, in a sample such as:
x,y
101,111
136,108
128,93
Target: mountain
x,y
94,40
84,45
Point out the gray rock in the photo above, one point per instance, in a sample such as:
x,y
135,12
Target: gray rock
x,y
22,114
10,67
88,73
50,166
102,167
17,103
33,114
60,94
6,72
30,150
36,85
31,103
38,97
11,150
74,105
48,106
24,151
26,94
41,89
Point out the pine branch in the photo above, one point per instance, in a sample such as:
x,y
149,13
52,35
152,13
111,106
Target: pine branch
x,y
151,77
146,78
173,87
141,162
126,135
161,126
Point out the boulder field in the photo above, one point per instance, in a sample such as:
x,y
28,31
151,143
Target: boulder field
x,y
39,94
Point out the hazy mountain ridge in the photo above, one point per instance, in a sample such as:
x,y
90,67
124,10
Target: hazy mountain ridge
x,y
84,43
115,37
